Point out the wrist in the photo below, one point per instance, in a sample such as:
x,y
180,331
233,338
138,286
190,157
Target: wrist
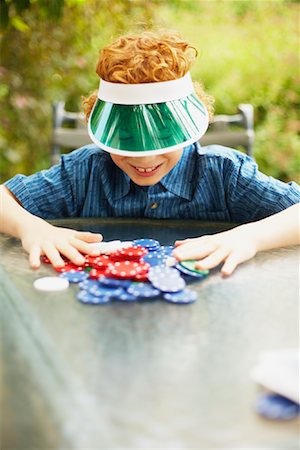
x,y
29,224
251,234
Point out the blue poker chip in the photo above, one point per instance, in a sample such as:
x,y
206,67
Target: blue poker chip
x,y
104,291
73,276
167,249
85,284
276,407
166,279
183,297
87,298
125,297
149,244
186,271
154,258
114,282
144,291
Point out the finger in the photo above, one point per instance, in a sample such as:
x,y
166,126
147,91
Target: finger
x,y
192,251
184,241
71,253
213,259
230,264
89,237
85,247
53,254
34,257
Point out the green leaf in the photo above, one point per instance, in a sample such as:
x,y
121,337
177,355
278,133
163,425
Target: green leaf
x,y
19,24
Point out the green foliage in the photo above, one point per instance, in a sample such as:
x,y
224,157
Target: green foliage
x,y
248,53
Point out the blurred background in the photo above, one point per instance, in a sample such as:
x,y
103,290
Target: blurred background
x,y
248,53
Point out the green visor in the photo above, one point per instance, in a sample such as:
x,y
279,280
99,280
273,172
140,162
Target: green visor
x,y
147,129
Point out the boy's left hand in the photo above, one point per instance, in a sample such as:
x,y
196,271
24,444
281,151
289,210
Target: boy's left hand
x,y
231,247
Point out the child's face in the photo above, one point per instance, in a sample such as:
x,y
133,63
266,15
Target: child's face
x,y
147,170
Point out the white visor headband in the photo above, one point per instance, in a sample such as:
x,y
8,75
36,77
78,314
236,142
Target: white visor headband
x,y
145,93
147,118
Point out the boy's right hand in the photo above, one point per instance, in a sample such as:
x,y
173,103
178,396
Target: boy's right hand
x,y
41,238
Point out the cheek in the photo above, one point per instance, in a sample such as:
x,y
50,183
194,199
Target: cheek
x,y
118,160
173,161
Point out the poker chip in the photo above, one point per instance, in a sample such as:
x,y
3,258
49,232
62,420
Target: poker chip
x,y
190,265
106,248
166,279
114,282
140,277
124,269
104,291
95,274
149,244
125,297
68,267
51,284
88,298
46,260
86,284
183,297
73,276
189,273
143,291
100,262
154,258
129,254
276,407
167,249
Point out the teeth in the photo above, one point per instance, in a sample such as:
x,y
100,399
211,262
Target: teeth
x,y
149,169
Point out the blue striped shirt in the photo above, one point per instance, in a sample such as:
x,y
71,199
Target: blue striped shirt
x,y
212,183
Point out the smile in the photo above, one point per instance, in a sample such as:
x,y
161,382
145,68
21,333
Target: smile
x,y
146,171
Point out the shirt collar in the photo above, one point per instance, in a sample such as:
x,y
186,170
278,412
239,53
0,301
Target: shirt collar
x,y
121,183
178,180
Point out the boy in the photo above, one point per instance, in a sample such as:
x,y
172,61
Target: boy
x,y
146,122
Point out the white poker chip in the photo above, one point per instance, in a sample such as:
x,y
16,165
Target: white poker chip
x,y
51,284
105,248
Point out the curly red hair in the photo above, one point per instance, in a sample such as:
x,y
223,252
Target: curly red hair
x,y
145,58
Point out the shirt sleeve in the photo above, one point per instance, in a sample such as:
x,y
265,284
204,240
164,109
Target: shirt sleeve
x,y
52,193
251,195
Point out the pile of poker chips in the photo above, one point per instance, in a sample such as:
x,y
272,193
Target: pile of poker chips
x,y
132,271
274,406
277,372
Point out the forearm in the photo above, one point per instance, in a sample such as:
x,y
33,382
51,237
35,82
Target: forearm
x,y
13,217
278,230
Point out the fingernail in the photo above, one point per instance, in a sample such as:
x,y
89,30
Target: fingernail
x,y
79,261
59,263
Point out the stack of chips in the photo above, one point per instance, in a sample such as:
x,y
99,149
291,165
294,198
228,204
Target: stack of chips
x,y
130,272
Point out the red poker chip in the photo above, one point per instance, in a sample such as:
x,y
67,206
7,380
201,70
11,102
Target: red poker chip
x,y
129,254
68,267
140,277
95,274
46,260
144,267
123,269
99,262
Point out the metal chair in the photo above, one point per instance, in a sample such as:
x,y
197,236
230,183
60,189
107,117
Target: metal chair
x,y
70,131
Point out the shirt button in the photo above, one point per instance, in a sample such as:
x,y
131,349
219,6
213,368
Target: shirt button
x,y
154,205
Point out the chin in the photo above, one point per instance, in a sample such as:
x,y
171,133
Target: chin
x,y
145,181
